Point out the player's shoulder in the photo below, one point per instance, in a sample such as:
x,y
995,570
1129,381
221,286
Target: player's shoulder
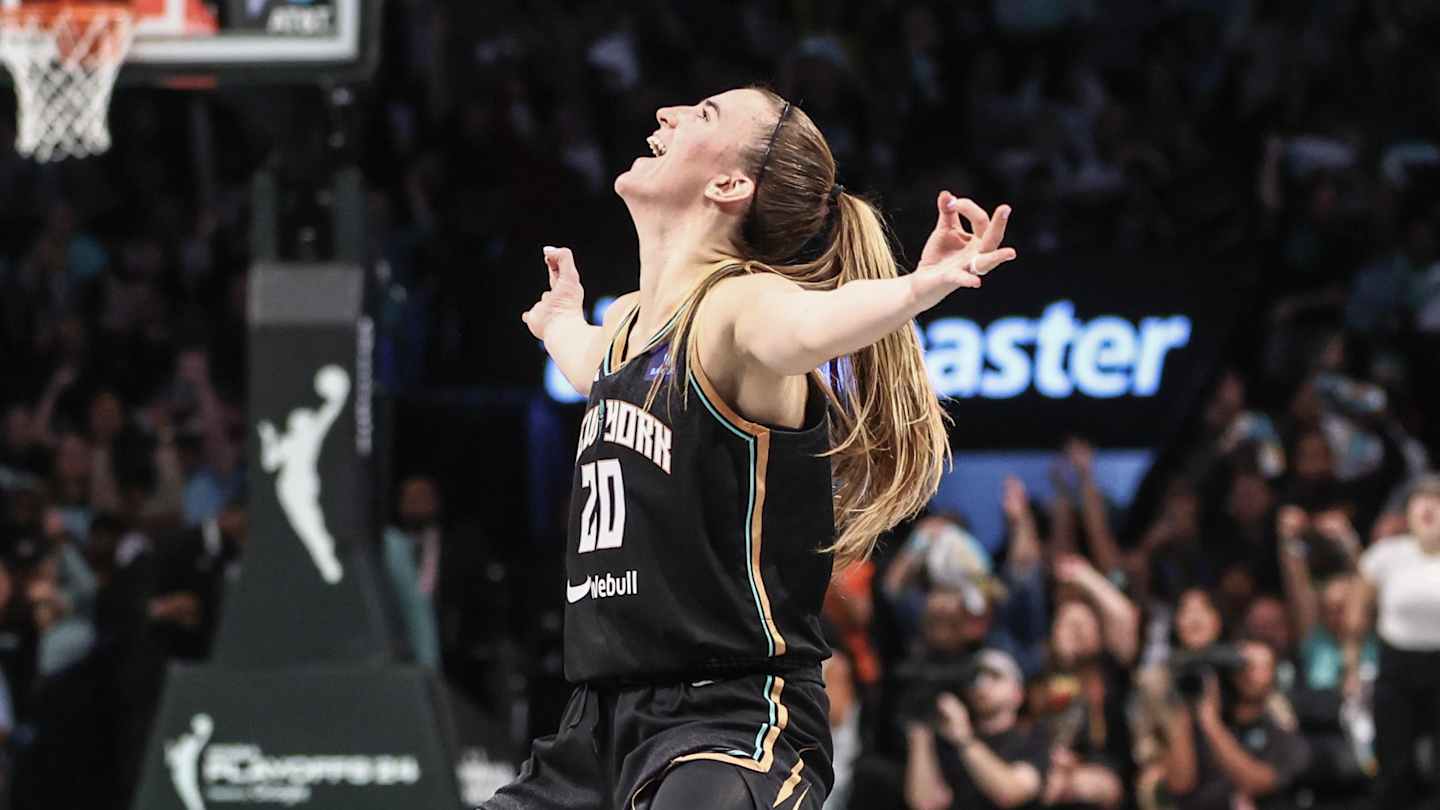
x,y
741,290
760,281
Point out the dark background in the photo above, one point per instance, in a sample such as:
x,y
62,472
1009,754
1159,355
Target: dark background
x,y
1245,163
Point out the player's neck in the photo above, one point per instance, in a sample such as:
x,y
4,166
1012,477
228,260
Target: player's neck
x,y
676,252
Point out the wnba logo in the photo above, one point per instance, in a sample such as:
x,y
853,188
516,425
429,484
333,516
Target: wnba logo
x,y
182,755
295,458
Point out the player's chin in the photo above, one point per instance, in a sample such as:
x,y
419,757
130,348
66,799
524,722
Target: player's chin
x,y
623,183
634,184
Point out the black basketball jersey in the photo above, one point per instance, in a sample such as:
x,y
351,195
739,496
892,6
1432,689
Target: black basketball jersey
x,y
695,534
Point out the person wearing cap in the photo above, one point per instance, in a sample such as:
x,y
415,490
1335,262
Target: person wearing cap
x,y
944,586
974,754
1400,575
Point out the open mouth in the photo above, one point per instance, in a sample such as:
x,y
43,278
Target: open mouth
x,y
657,147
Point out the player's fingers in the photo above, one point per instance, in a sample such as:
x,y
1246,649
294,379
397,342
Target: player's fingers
x,y
995,234
565,264
948,218
960,276
986,262
974,214
552,263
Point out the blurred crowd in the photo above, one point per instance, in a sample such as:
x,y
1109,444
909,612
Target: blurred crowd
x,y
1200,648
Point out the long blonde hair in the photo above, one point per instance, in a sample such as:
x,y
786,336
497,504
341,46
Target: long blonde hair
x,y
889,444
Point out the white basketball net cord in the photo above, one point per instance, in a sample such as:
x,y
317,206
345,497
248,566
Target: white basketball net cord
x,y
64,67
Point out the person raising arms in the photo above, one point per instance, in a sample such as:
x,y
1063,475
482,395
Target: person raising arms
x,y
758,412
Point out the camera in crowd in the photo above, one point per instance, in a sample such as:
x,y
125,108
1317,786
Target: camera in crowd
x,y
1188,670
922,682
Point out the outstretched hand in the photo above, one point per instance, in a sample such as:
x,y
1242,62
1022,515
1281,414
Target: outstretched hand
x,y
955,257
565,296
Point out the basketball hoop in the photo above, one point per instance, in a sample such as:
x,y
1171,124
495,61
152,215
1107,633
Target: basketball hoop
x,y
63,58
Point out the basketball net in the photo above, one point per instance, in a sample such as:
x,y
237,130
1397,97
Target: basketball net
x,y
63,59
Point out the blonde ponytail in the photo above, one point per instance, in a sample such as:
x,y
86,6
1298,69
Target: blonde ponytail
x,y
888,439
889,444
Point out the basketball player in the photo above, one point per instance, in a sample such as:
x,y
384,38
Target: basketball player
x,y
718,473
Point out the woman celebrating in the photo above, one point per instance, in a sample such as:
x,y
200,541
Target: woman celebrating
x,y
1402,575
718,473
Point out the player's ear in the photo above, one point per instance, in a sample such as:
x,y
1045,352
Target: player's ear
x,y
730,190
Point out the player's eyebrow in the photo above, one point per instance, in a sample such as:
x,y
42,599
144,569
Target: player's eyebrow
x,y
713,106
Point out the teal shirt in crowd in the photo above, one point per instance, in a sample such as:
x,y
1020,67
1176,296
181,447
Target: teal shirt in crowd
x,y
417,612
1322,658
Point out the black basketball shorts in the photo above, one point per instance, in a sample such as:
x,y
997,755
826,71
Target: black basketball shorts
x,y
617,744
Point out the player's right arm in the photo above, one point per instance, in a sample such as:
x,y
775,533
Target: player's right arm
x,y
558,320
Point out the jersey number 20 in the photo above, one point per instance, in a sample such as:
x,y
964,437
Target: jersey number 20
x,y
602,523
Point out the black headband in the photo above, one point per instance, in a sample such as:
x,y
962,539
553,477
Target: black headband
x,y
765,161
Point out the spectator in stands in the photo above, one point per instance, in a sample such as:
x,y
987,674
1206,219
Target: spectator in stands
x,y
412,563
19,635
1191,626
842,688
21,453
209,457
1169,557
1094,640
946,593
1318,610
192,568
1399,575
975,754
67,588
1073,475
1223,753
849,608
1317,614
71,473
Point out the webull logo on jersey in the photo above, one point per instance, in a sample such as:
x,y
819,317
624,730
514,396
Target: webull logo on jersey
x,y
603,587
207,774
628,425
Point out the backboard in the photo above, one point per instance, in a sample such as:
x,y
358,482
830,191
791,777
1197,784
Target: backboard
x,y
64,57
192,44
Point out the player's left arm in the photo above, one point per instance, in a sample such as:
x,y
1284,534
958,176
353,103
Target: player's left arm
x,y
789,330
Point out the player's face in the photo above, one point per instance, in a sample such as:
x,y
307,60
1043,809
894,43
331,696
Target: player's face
x,y
700,146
